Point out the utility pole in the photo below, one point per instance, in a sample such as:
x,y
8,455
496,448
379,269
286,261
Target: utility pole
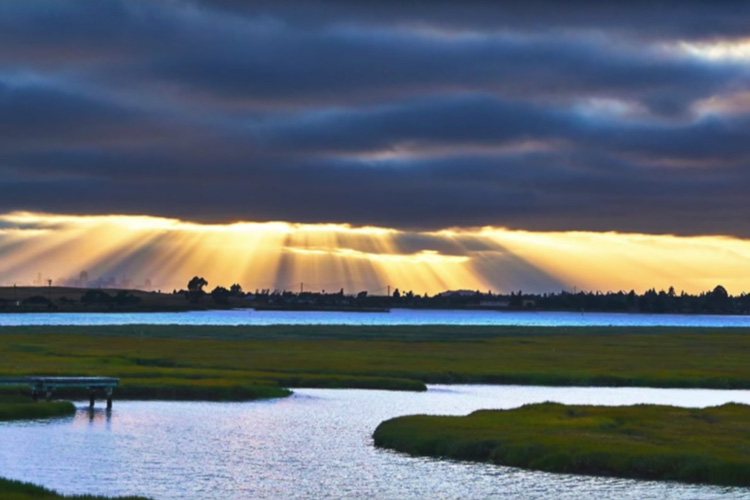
x,y
389,290
301,287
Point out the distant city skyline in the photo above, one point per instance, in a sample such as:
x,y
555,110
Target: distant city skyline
x,y
83,281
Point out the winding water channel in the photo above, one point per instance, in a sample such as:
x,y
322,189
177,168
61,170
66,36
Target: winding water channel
x,y
314,445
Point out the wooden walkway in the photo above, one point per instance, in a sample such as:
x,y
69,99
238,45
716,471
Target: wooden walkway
x,y
46,385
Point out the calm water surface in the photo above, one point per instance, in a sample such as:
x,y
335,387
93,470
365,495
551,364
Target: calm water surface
x,y
394,317
314,445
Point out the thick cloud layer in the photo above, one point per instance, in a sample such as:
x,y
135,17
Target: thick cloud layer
x,y
559,116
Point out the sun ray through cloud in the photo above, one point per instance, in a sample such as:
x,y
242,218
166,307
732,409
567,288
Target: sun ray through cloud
x,y
281,255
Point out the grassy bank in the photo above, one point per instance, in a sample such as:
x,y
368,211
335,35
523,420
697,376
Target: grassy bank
x,y
29,410
16,405
642,441
185,389
17,490
193,362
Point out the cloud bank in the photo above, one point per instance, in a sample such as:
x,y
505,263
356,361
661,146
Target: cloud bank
x,y
618,116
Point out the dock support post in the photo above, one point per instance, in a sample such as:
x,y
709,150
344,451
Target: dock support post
x,y
91,397
48,396
109,398
35,395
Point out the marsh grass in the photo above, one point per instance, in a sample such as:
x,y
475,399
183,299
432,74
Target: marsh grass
x,y
197,389
709,445
248,362
388,357
17,490
31,410
16,404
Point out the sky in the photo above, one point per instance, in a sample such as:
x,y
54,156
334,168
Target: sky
x,y
539,145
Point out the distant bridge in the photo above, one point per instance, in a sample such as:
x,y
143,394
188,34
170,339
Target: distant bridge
x,y
46,385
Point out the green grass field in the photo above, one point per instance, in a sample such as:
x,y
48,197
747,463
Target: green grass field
x,y
194,362
642,441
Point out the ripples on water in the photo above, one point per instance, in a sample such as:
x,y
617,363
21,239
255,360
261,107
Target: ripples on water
x,y
394,317
314,445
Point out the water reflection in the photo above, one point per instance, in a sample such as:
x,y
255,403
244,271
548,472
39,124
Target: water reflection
x,y
315,445
98,415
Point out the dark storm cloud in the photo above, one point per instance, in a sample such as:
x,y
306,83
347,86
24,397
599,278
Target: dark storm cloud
x,y
29,113
642,18
541,116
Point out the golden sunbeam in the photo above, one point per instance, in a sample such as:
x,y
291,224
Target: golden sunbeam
x,y
139,251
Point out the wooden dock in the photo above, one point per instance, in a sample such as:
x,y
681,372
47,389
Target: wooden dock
x,y
46,385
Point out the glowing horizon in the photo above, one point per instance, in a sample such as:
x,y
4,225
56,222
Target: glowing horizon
x,y
282,255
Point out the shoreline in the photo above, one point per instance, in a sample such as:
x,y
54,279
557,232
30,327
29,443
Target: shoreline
x,y
67,299
645,442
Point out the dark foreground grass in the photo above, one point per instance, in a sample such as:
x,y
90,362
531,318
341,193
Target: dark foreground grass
x,y
193,362
643,441
17,490
30,410
16,405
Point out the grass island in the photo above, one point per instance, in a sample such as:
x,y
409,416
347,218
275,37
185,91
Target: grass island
x,y
710,445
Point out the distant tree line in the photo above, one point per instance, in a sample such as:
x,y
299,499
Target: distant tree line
x,y
93,298
716,301
219,294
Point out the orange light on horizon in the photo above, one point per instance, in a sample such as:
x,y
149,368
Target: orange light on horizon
x,y
281,255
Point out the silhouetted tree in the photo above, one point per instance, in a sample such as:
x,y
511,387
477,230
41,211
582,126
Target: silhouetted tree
x,y
220,295
236,289
717,300
632,301
720,292
195,288
196,284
